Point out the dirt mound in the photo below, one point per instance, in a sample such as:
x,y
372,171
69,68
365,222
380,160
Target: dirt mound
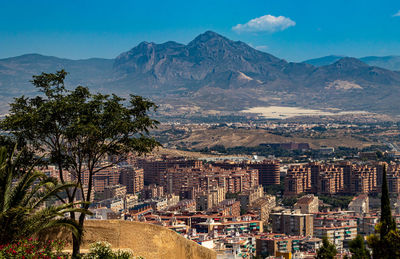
x,y
146,240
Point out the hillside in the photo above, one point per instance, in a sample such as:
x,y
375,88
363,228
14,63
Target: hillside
x,y
232,137
146,240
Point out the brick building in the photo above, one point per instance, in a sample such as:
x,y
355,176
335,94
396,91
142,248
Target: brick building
x,y
154,167
132,178
203,178
268,170
293,223
298,180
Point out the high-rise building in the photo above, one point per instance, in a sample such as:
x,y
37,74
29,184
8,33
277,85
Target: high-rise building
x,y
177,179
152,191
104,177
315,171
154,167
364,179
347,172
331,180
132,178
298,180
268,170
248,197
210,198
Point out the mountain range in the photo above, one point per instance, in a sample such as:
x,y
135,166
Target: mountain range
x,y
387,62
213,73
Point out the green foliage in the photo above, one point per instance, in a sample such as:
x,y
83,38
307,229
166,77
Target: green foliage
x,y
275,189
22,201
385,243
29,248
336,201
230,195
78,131
388,223
358,249
327,250
385,247
289,201
102,250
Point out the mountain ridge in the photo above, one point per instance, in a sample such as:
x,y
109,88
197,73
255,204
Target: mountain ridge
x,y
388,62
215,73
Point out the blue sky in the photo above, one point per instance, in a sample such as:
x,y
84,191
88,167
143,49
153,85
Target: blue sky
x,y
291,29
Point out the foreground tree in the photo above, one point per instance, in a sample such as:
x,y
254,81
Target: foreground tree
x,y
327,250
80,132
385,243
22,195
358,249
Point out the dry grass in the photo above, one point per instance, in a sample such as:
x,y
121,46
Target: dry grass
x,y
230,137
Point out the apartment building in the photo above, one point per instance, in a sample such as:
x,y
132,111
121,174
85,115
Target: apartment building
x,y
298,180
364,179
210,198
292,222
132,178
268,170
235,180
359,204
307,204
152,168
248,197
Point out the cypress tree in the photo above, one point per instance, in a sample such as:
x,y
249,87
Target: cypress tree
x,y
327,250
387,221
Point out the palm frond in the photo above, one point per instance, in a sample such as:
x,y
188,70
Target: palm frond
x,y
23,194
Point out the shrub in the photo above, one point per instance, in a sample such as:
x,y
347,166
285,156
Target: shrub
x,y
30,248
102,249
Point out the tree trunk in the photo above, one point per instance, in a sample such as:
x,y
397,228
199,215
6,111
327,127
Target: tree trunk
x,y
76,245
76,242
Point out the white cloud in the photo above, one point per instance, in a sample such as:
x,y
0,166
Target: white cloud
x,y
267,23
397,14
261,47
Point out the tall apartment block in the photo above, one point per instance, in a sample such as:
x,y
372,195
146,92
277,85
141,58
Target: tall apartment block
x,y
364,179
331,180
132,178
347,173
316,168
105,177
393,178
338,178
268,170
298,180
210,198
154,167
175,180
